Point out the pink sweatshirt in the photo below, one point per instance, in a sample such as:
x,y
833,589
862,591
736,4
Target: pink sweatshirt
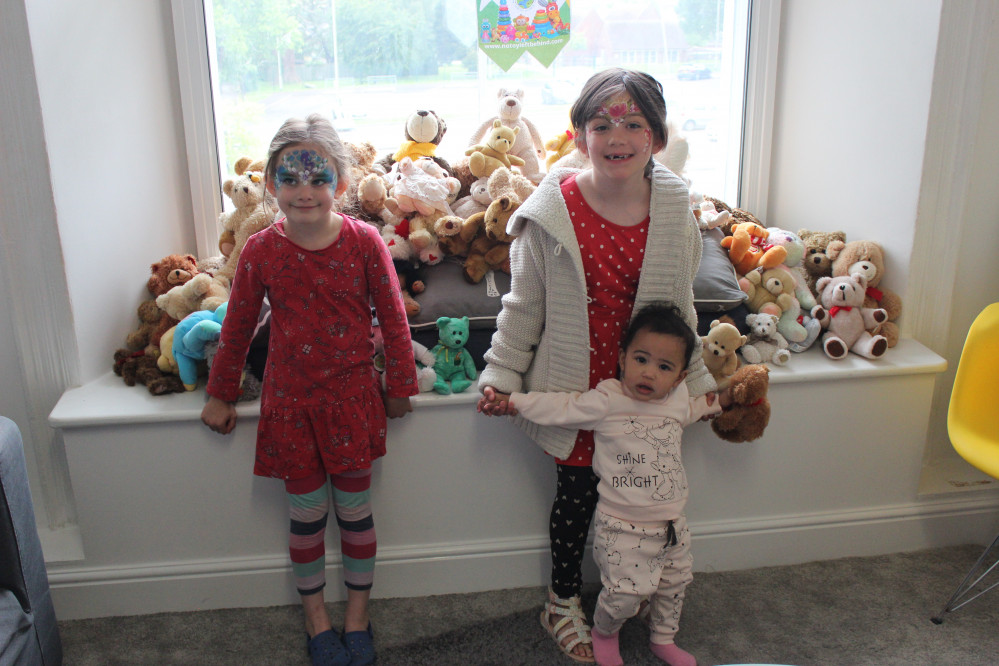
x,y
637,453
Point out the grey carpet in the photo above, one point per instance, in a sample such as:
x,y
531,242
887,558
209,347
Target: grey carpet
x,y
852,611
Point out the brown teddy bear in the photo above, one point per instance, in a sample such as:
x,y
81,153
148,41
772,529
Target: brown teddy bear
x,y
749,414
138,367
868,259
149,320
718,350
171,271
821,247
254,212
485,232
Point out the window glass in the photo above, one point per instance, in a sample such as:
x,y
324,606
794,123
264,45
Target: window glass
x,y
369,65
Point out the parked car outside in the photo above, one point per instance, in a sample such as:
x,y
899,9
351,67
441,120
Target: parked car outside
x,y
692,72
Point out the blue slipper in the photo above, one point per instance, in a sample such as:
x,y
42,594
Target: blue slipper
x,y
327,649
360,645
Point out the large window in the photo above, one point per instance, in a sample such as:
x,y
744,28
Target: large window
x,y
247,65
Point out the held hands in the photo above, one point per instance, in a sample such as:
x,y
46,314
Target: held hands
x,y
493,403
219,415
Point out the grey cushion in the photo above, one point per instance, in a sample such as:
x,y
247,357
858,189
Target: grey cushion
x,y
716,286
448,294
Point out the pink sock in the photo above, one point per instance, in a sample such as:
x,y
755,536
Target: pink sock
x,y
605,649
669,653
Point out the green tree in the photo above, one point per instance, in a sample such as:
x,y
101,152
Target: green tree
x,y
249,35
390,37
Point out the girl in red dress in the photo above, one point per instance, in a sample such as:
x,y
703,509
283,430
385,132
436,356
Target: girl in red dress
x,y
322,412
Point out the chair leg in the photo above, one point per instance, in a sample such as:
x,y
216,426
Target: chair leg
x,y
965,588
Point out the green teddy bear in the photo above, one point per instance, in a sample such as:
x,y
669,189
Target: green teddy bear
x,y
453,365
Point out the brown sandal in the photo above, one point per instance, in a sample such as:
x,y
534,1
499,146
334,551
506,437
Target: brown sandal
x,y
571,625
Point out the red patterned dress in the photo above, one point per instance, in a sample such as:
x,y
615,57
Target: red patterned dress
x,y
612,261
321,405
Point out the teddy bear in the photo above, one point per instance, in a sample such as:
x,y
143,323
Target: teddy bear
x,y
747,248
485,233
765,343
749,413
847,322
770,291
253,212
449,235
424,131
138,367
821,247
529,147
476,201
188,343
149,320
868,259
494,152
171,271
453,364
796,324
372,193
718,350
559,146
202,292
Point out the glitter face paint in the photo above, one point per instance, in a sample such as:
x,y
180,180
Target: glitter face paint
x,y
618,109
305,167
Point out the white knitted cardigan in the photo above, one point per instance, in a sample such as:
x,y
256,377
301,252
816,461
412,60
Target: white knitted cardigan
x,y
542,337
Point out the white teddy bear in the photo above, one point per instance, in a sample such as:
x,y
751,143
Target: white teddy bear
x,y
765,344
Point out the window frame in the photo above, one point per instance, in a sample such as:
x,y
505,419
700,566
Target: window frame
x,y
192,30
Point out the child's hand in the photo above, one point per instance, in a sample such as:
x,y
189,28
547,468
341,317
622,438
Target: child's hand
x,y
397,407
219,415
709,397
725,398
493,403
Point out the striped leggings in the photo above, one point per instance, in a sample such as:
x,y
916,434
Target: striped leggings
x,y
309,505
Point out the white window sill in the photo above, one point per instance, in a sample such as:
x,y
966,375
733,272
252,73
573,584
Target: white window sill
x,y
108,401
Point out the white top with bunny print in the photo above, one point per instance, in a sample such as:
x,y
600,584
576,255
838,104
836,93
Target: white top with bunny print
x,y
637,454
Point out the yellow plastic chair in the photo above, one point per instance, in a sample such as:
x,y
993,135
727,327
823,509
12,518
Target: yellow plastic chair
x,y
974,430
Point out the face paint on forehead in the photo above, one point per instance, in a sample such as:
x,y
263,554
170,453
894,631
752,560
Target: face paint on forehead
x,y
617,109
305,166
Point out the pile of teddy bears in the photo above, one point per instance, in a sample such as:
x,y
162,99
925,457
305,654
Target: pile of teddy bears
x,y
801,288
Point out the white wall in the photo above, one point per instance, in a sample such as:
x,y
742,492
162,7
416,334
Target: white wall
x,y
109,101
854,81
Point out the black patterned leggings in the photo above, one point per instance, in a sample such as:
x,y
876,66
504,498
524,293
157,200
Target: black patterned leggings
x,y
572,511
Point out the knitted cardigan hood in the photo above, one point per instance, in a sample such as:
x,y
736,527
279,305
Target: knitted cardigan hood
x,y
542,337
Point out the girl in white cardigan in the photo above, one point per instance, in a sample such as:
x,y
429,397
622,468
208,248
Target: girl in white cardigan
x,y
591,246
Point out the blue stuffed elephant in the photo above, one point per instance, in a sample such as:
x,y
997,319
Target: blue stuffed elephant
x,y
193,332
